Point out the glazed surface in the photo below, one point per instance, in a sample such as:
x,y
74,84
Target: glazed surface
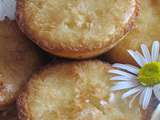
x,y
74,91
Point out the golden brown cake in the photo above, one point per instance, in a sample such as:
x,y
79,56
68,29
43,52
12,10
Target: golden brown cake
x,y
147,30
19,58
74,91
76,28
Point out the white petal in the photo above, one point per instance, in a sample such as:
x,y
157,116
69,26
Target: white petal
x,y
122,73
146,53
156,113
155,51
117,78
124,85
134,97
141,56
139,59
156,90
129,68
146,97
141,98
131,92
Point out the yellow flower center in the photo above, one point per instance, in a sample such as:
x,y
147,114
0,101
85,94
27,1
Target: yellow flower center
x,y
149,74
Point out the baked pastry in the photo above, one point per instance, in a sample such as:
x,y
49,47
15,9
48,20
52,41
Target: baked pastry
x,y
147,29
76,29
74,91
19,58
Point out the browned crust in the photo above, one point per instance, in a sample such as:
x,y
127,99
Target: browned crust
x,y
23,113
7,104
67,51
22,103
11,38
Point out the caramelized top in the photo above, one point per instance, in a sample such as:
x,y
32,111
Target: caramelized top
x,y
18,60
147,29
75,91
76,24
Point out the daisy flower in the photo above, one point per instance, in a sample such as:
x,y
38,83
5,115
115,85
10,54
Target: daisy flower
x,y
7,9
142,81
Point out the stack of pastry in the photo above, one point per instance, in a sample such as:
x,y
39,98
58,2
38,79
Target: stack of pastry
x,y
72,88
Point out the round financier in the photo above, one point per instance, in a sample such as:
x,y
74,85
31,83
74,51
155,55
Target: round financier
x,y
19,58
76,28
147,29
74,91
